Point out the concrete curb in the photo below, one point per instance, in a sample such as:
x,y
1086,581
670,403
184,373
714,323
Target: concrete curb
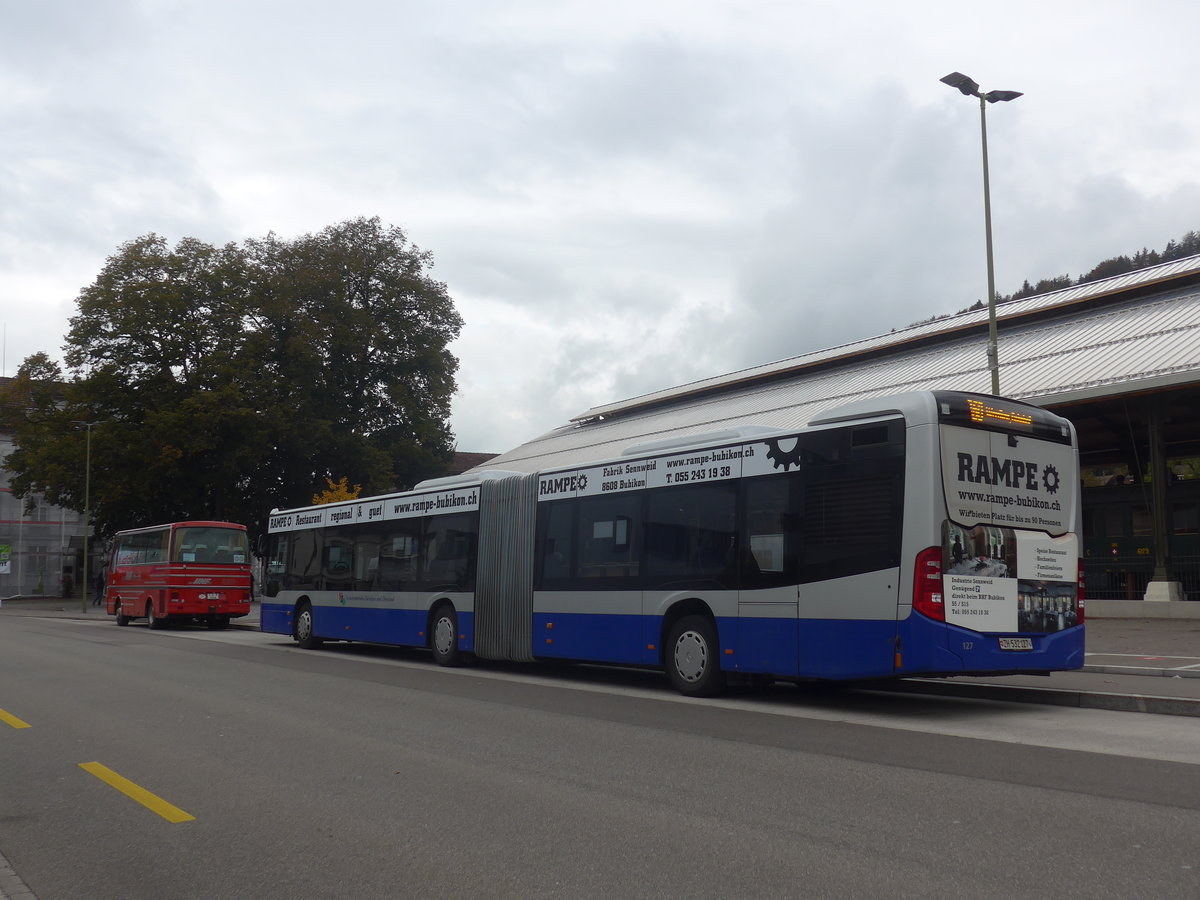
x,y
1145,703
11,885
1142,670
1142,609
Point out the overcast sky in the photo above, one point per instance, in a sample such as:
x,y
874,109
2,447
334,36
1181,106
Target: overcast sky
x,y
620,196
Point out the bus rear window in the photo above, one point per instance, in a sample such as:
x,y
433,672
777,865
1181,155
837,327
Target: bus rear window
x,y
211,545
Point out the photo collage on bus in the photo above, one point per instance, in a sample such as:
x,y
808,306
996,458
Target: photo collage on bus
x,y
999,579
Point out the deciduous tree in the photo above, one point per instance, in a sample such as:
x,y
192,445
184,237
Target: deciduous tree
x,y
224,381
337,491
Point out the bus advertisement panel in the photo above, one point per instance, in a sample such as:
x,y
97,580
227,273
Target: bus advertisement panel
x,y
1003,580
1010,552
767,456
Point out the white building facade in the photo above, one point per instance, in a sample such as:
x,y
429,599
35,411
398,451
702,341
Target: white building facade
x,y
41,547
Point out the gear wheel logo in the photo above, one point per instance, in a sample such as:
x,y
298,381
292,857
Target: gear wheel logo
x,y
1051,480
785,458
582,483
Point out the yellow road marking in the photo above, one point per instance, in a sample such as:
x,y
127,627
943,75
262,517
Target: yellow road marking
x,y
141,795
13,720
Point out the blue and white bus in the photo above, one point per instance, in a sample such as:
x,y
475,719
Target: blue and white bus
x,y
928,533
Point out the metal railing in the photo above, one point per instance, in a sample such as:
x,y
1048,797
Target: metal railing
x,y
1126,577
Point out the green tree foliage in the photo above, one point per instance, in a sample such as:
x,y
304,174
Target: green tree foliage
x,y
33,407
225,381
352,313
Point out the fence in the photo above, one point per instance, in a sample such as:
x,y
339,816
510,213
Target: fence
x,y
1126,577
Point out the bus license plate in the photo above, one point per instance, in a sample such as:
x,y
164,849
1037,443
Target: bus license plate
x,y
1016,643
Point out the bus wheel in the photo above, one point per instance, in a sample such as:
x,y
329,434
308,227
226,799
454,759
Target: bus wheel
x,y
302,628
443,636
122,619
156,622
218,623
693,664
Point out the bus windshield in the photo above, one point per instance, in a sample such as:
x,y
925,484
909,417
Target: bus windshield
x,y
210,544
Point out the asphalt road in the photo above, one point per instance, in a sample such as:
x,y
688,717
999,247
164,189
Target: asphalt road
x,y
362,772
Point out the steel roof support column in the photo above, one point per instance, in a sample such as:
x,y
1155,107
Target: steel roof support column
x,y
1163,585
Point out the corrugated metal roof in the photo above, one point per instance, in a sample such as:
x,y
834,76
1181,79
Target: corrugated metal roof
x,y
1088,347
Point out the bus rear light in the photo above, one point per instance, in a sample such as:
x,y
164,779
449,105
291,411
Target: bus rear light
x,y
1079,596
927,584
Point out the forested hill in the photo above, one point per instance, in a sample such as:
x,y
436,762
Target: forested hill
x,y
1188,245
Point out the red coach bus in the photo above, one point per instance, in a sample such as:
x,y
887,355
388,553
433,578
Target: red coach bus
x,y
185,571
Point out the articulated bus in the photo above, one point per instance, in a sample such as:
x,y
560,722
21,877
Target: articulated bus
x,y
182,571
931,533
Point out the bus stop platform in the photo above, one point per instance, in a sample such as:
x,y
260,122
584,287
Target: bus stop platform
x,y
1134,664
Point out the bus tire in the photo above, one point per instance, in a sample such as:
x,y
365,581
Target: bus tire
x,y
302,628
218,623
156,622
443,636
693,660
122,619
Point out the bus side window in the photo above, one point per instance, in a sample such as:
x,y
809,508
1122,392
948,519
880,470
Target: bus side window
x,y
554,521
338,555
276,564
691,535
162,550
854,506
450,549
771,531
607,536
399,555
144,547
366,560
304,567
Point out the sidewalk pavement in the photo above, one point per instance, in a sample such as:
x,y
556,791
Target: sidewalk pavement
x,y
1134,665
1144,665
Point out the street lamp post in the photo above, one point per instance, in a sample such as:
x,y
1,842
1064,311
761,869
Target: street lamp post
x,y
970,89
87,508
